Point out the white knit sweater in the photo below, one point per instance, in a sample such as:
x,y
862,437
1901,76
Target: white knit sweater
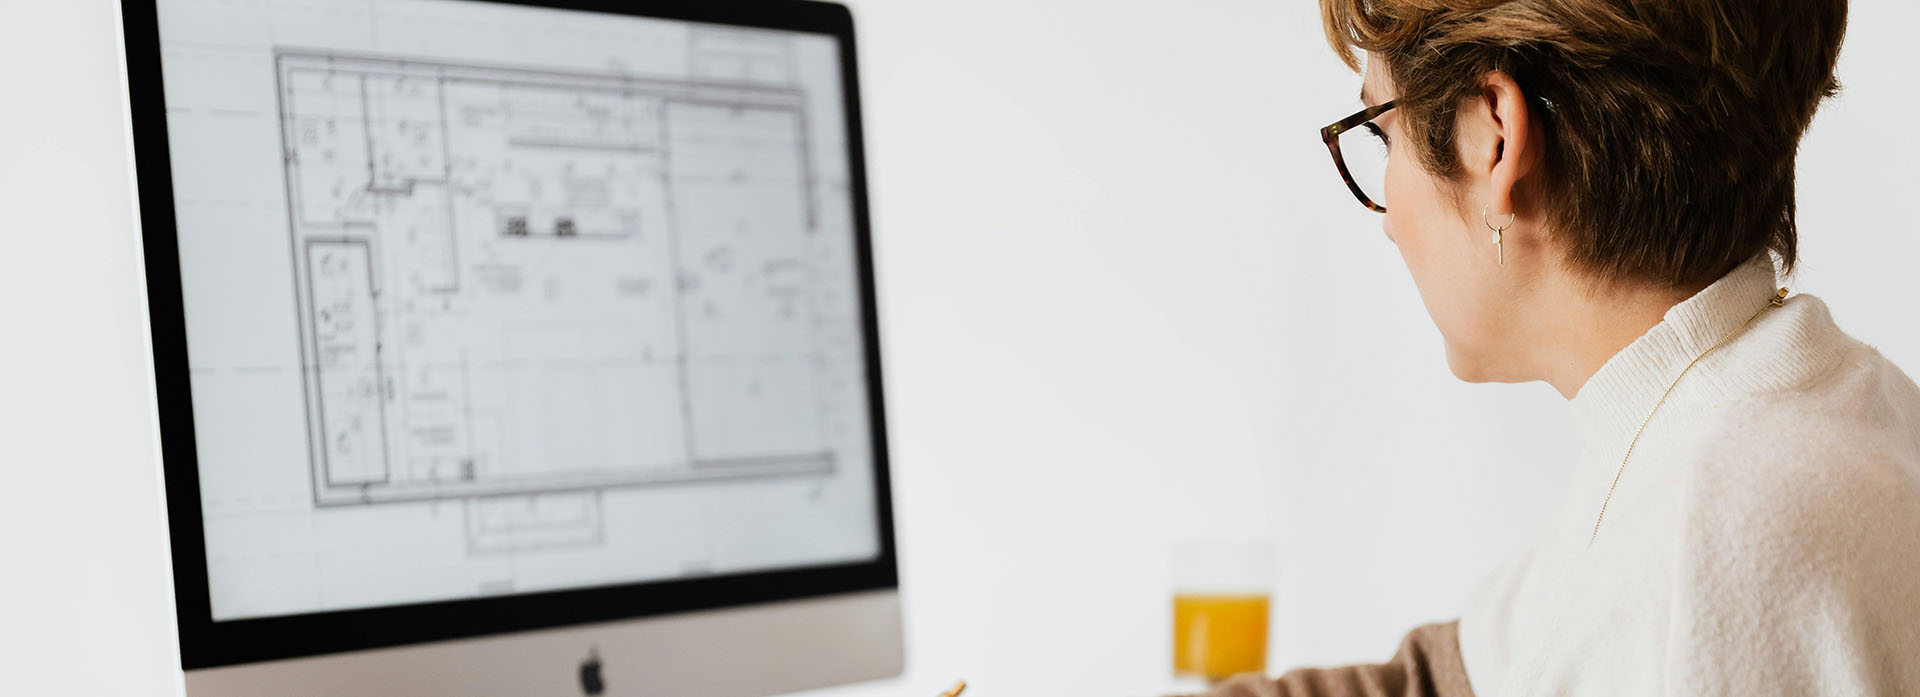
x,y
1764,539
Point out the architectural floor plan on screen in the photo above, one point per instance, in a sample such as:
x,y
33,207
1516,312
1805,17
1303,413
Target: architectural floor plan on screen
x,y
520,288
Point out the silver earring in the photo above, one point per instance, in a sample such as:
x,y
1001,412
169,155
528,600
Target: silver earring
x,y
1499,250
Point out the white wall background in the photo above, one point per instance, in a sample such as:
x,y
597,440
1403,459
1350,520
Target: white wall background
x,y
1124,299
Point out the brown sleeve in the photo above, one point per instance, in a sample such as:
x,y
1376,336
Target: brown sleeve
x,y
1428,665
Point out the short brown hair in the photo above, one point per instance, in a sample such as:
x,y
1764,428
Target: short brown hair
x,y
1671,125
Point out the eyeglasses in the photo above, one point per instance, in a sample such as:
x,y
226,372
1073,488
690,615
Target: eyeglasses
x,y
1364,162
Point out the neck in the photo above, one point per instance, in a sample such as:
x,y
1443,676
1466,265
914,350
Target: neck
x,y
1579,326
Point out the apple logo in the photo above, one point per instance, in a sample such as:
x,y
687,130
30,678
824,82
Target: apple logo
x,y
590,680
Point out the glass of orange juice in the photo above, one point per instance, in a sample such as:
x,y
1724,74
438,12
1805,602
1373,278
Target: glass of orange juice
x,y
1220,607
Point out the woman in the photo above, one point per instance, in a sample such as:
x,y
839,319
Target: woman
x,y
1598,194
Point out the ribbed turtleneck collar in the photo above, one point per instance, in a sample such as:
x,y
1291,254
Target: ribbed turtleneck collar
x,y
1617,398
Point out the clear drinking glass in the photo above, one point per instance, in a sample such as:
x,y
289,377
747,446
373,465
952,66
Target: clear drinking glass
x,y
1221,591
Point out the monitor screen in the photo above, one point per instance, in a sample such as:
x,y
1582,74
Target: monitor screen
x,y
481,300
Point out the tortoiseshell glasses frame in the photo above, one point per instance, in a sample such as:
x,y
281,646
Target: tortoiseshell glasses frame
x,y
1331,136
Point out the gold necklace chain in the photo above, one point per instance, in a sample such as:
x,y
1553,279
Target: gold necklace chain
x,y
1779,298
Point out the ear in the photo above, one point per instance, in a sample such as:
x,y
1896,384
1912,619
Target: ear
x,y
1503,146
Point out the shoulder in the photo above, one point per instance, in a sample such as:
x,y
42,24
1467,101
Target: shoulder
x,y
1807,427
1799,565
1832,459
1800,555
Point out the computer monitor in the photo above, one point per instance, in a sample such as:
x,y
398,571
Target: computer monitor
x,y
514,348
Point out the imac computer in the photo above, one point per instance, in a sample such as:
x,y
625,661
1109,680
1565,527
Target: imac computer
x,y
514,348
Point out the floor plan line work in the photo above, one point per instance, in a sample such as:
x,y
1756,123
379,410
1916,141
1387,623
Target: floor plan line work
x,y
518,282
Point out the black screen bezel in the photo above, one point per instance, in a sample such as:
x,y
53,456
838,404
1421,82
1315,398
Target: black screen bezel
x,y
205,643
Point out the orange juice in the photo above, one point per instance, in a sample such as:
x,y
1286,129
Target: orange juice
x,y
1217,636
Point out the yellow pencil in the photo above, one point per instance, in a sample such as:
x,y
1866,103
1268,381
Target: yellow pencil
x,y
955,691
